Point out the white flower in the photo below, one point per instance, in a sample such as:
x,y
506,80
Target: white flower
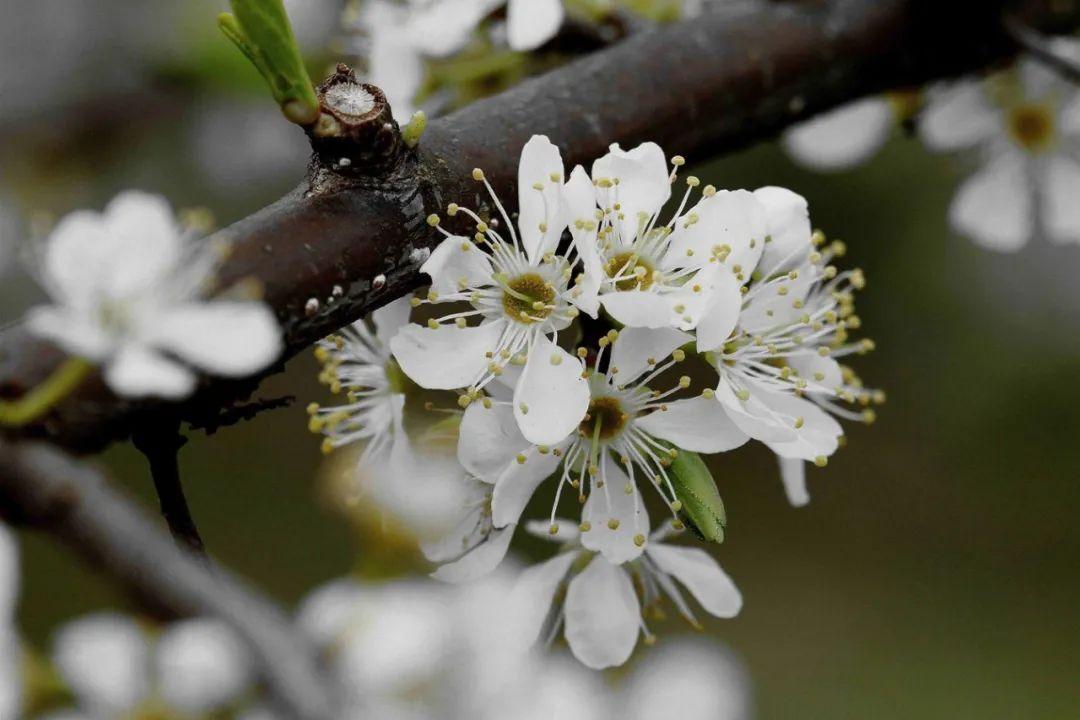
x,y
113,669
842,138
777,352
358,362
629,433
1025,126
646,273
10,653
602,613
126,293
517,289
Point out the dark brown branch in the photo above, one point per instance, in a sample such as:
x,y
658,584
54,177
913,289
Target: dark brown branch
x,y
45,489
698,88
161,444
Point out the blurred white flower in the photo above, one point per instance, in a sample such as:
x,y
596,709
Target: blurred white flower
x,y
1025,126
644,273
313,21
10,653
602,613
777,350
114,669
518,289
842,138
126,293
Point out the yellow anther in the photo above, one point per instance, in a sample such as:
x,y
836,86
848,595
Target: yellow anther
x,y
477,174
520,459
613,524
433,220
821,461
639,540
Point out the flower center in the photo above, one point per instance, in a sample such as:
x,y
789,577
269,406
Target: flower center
x,y
605,418
1032,126
629,271
528,298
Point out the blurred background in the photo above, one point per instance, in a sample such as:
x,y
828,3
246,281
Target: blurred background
x,y
934,573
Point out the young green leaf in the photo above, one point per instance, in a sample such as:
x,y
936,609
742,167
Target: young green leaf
x,y
702,509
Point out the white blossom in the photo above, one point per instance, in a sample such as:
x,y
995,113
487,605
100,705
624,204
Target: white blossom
x,y
10,653
1024,125
518,290
126,293
602,611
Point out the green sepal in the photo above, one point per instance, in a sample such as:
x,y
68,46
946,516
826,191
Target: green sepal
x,y
261,30
702,508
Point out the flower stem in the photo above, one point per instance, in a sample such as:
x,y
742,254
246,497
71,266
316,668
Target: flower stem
x,y
45,396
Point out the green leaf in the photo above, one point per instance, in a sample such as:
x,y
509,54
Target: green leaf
x,y
702,509
261,30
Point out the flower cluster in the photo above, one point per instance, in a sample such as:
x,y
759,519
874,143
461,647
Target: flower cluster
x,y
570,335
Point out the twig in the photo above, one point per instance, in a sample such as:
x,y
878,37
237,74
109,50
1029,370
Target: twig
x,y
161,444
42,488
1042,48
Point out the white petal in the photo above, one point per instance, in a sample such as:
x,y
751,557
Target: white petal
x,y
396,68
702,576
817,370
819,434
993,207
643,185
698,424
390,318
534,591
138,371
479,561
202,666
78,255
793,475
602,615
752,415
223,337
635,347
457,263
579,202
612,502
732,218
1069,116
842,138
639,308
788,226
9,575
442,28
518,483
146,242
325,614
958,117
1061,198
104,660
74,332
489,440
551,397
531,23
722,313
540,161
698,677
447,358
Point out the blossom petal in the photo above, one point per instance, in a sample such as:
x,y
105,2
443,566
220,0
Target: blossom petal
x,y
958,117
612,503
793,476
842,138
390,318
699,677
446,358
489,440
456,263
540,217
643,185
534,591
202,666
9,574
1061,198
635,347
638,308
75,333
326,612
818,434
104,658
146,243
752,415
551,397
602,615
722,313
138,371
993,207
702,576
517,484
77,257
396,66
531,23
821,371
442,28
223,337
697,424
787,217
732,218
479,561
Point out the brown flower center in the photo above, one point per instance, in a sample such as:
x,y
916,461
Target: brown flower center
x,y
609,413
528,298
1032,127
633,272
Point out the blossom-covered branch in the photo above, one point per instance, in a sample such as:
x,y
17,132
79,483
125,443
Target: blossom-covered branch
x,y
43,488
353,235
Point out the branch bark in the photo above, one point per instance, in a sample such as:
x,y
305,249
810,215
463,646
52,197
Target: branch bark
x,y
699,88
161,445
46,489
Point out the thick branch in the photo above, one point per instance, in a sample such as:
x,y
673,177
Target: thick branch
x,y
45,489
697,88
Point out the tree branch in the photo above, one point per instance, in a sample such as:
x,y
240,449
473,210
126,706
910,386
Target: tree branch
x,y
698,88
45,489
161,444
